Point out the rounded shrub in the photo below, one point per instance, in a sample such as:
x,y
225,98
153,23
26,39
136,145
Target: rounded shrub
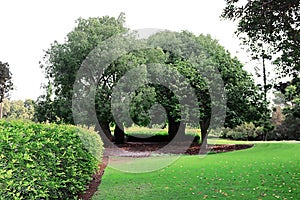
x,y
46,161
245,131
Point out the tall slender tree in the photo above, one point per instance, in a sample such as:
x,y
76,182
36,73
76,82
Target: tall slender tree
x,y
5,83
270,22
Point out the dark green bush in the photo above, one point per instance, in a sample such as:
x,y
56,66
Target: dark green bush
x,y
288,130
46,161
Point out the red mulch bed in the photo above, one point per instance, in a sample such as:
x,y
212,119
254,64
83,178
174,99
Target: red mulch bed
x,y
95,182
194,149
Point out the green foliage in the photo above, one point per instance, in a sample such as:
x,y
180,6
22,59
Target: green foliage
x,y
266,171
245,131
244,100
197,70
18,109
62,61
5,80
194,56
289,129
46,161
274,23
271,31
5,84
141,104
290,126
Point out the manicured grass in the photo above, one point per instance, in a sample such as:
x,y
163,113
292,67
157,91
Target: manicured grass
x,y
145,132
135,130
266,171
212,140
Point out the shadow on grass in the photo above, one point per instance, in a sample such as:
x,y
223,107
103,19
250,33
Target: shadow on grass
x,y
158,138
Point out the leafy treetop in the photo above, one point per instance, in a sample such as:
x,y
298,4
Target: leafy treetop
x,y
275,23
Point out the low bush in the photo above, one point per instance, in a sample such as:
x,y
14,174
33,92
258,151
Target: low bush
x,y
286,122
246,131
289,129
46,161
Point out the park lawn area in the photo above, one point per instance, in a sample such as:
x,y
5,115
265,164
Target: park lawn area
x,y
137,130
266,171
145,132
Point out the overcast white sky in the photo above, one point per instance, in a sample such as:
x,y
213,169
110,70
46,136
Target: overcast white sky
x,y
29,27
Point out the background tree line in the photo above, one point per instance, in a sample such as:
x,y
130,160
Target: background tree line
x,y
18,109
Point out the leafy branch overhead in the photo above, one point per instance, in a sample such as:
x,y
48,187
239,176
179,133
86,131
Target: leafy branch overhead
x,y
275,23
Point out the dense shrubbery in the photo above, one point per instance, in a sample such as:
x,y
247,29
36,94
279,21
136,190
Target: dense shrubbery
x,y
289,129
246,131
46,161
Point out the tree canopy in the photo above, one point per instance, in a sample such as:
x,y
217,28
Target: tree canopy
x,y
191,78
62,61
199,59
18,109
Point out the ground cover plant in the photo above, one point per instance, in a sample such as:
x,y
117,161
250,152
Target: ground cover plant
x,y
266,171
46,161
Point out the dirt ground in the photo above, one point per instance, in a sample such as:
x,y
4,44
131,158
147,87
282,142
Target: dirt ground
x,y
145,149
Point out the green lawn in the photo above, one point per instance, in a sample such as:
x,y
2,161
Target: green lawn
x,y
267,171
136,130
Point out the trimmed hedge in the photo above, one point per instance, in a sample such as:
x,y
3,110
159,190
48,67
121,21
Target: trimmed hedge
x,y
46,161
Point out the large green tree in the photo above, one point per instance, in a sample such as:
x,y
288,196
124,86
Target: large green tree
x,y
168,68
115,75
5,83
62,61
199,59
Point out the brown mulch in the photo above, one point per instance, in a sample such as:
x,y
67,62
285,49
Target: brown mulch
x,y
145,149
95,182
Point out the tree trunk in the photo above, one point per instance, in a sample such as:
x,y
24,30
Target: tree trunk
x,y
265,78
204,133
1,110
103,129
119,134
173,127
181,129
